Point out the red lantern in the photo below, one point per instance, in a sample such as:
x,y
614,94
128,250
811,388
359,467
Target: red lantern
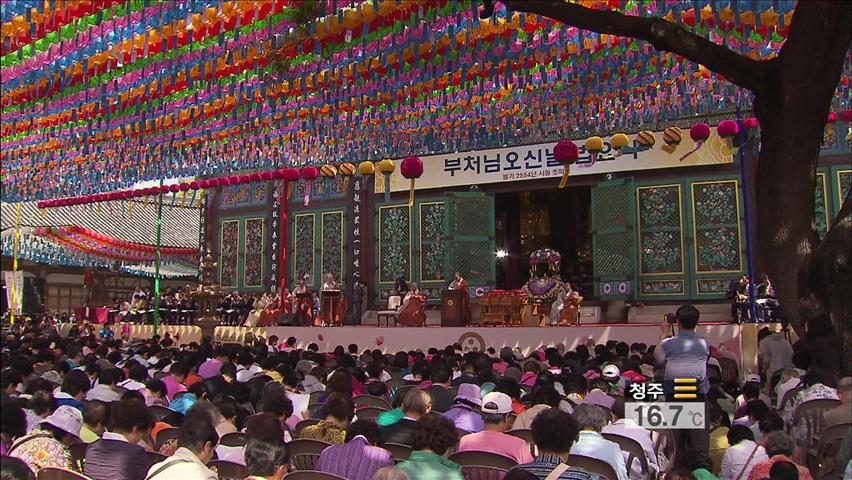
x,y
246,178
751,123
195,185
183,187
254,177
412,169
699,133
310,174
277,174
832,117
291,175
566,152
728,130
266,176
846,116
173,188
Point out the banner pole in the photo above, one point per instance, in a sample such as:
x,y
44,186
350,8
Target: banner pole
x,y
157,261
14,285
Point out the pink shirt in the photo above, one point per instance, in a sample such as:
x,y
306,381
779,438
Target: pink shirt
x,y
173,387
497,442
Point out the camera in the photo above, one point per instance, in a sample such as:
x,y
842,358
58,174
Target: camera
x,y
671,318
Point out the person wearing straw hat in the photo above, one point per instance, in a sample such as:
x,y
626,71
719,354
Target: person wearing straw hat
x,y
47,445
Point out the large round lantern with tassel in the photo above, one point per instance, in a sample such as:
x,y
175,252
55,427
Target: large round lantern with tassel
x,y
699,133
346,170
618,142
594,145
411,168
366,168
672,137
645,140
566,152
328,171
309,174
728,131
386,168
291,176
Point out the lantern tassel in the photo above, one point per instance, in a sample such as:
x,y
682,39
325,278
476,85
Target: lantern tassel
x,y
345,184
308,193
697,146
564,181
411,194
289,190
387,187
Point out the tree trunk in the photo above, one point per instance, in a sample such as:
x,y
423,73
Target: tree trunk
x,y
825,281
792,117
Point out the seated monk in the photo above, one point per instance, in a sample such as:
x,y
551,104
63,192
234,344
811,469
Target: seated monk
x,y
269,315
412,313
570,314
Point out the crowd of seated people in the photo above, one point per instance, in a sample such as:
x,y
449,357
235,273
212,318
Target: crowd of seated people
x,y
436,405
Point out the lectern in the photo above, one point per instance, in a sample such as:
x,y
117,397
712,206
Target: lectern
x,y
455,308
332,313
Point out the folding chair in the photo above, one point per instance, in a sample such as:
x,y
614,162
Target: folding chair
x,y
483,465
304,453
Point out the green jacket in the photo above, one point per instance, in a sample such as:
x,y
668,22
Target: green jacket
x,y
430,466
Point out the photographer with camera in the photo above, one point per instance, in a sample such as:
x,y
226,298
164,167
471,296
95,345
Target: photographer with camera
x,y
684,356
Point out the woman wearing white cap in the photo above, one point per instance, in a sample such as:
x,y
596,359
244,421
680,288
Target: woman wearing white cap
x,y
47,445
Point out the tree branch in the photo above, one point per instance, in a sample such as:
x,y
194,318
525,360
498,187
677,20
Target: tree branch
x,y
663,35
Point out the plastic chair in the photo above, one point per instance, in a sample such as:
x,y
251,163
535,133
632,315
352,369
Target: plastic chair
x,y
228,470
395,383
633,449
399,451
233,439
808,417
165,435
525,434
304,453
56,473
827,448
483,465
302,424
789,395
370,413
402,390
311,475
592,465
371,401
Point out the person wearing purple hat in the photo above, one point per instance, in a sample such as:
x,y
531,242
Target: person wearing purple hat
x,y
465,412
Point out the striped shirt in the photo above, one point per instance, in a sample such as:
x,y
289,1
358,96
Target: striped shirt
x,y
684,356
543,464
355,459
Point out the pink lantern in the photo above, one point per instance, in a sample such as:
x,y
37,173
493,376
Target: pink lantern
x,y
412,169
566,152
832,117
266,176
699,133
310,174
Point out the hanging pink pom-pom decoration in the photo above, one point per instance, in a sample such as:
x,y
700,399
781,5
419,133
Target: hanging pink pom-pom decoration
x,y
699,133
291,176
412,169
728,131
566,152
310,174
832,117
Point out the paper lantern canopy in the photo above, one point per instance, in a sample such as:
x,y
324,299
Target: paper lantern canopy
x,y
566,153
411,168
328,170
672,137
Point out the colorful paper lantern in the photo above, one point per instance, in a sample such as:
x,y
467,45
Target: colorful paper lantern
x,y
618,142
832,117
411,168
386,168
347,171
594,145
699,133
728,131
328,170
645,140
366,168
291,176
566,153
672,136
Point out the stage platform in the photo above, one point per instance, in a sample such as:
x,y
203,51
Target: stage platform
x,y
527,339
740,340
